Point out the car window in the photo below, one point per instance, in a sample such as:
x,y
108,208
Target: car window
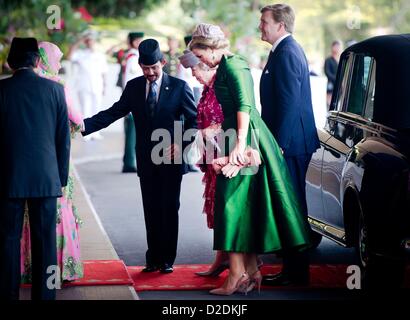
x,y
342,92
368,112
359,85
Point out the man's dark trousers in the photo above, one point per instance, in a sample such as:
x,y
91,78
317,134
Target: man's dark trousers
x,y
161,205
296,264
42,216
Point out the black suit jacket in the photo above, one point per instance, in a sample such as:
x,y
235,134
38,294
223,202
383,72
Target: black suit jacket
x,y
175,102
286,99
331,72
34,136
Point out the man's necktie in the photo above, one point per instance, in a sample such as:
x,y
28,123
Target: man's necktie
x,y
152,98
267,61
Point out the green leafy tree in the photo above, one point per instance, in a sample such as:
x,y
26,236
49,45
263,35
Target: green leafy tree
x,y
115,8
29,19
318,22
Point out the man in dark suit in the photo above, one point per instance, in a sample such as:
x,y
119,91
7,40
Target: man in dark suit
x,y
35,145
287,110
331,64
157,102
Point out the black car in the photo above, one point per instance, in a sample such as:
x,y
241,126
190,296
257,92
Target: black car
x,y
358,183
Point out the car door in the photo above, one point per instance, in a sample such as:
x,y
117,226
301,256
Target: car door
x,y
314,188
345,130
314,180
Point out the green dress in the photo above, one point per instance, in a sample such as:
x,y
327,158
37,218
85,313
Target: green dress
x,y
256,211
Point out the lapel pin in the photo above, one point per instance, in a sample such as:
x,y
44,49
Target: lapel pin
x,y
267,71
166,88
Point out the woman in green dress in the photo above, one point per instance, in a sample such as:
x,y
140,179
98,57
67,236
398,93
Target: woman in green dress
x,y
256,211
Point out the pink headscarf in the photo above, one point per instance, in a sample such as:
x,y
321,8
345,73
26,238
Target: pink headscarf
x,y
50,57
48,67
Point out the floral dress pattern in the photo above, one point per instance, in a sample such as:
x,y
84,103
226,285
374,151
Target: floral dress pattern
x,y
209,116
68,242
67,220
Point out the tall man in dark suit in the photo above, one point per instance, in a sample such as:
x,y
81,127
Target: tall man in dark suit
x,y
287,110
157,102
35,146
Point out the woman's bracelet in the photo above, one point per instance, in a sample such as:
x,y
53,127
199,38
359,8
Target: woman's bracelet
x,y
241,136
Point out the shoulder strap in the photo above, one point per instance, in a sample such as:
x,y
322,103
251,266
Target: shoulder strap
x,y
131,54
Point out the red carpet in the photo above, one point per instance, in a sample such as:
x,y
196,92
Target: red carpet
x,y
101,272
114,272
184,278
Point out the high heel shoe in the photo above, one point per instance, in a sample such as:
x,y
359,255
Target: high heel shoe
x,y
240,286
215,272
255,280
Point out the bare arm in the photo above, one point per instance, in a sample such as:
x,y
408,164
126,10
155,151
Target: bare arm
x,y
243,124
237,155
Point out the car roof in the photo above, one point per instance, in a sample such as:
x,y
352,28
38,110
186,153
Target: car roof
x,y
389,46
392,97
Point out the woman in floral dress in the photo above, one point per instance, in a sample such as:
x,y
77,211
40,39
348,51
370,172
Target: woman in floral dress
x,y
209,118
68,221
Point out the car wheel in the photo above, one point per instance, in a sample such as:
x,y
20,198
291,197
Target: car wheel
x,y
378,270
315,239
363,245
